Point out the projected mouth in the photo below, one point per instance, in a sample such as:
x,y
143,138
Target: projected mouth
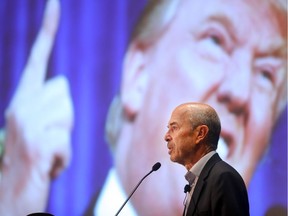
x,y
223,149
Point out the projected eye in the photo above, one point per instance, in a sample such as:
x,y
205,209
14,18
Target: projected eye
x,y
267,69
218,38
266,75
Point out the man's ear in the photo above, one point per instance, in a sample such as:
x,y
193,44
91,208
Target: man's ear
x,y
134,80
202,133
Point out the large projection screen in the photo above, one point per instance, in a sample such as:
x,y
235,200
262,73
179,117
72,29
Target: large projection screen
x,y
230,54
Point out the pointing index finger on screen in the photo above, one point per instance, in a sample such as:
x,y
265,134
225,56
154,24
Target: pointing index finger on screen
x,y
35,71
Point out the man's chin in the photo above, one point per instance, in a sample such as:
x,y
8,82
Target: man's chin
x,y
173,159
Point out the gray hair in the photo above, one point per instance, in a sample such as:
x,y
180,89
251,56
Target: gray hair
x,y
153,21
206,116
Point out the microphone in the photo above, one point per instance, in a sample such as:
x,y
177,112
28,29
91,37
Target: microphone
x,y
155,167
187,188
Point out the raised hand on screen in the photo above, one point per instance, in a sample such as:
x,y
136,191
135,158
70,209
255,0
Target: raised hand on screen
x,y
38,127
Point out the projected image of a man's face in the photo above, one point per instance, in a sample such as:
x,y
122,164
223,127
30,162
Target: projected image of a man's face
x,y
229,55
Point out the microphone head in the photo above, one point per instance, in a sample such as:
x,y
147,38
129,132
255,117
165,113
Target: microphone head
x,y
187,188
156,166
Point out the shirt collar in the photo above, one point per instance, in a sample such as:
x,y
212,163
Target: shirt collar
x,y
190,177
198,167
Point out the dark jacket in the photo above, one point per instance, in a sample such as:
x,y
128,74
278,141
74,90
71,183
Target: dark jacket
x,y
219,191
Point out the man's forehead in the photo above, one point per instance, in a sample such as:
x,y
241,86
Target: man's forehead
x,y
174,119
260,15
178,115
172,123
259,7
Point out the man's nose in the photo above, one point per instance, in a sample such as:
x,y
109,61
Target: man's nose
x,y
167,137
235,88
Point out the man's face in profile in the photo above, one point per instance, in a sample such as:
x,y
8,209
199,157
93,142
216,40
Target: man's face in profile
x,y
228,54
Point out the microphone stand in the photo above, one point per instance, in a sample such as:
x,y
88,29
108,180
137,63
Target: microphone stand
x,y
133,192
154,168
